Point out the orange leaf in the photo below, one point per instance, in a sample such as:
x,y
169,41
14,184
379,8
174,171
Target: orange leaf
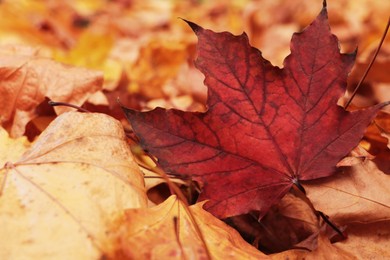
x,y
166,232
158,62
325,250
25,81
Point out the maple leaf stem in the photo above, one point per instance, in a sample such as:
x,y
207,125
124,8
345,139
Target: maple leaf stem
x,y
369,66
130,134
159,177
299,186
300,192
335,228
53,104
131,137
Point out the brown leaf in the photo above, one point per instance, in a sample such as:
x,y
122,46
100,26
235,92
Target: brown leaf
x,y
58,198
166,232
358,194
325,250
26,80
293,223
289,224
367,241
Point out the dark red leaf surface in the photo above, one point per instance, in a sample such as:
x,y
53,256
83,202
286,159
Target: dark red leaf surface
x,y
265,127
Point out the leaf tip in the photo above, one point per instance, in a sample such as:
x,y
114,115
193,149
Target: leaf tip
x,y
118,101
125,110
196,28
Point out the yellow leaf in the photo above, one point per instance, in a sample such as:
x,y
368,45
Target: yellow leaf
x,y
15,26
92,51
11,149
58,199
88,7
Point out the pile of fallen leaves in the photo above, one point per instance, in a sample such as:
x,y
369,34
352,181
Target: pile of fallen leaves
x,y
246,160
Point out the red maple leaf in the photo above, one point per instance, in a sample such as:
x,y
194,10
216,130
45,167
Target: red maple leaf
x,y
266,128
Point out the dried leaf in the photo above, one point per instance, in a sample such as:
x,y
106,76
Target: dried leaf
x,y
291,223
325,250
25,81
58,199
367,241
166,232
357,155
11,149
358,194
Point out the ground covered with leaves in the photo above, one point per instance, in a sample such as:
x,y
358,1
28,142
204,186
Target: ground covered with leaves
x,y
201,141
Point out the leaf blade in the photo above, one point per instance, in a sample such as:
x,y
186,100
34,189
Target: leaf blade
x,y
265,128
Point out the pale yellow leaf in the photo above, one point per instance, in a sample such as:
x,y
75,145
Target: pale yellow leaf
x,y
58,199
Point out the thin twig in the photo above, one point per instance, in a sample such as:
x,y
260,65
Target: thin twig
x,y
301,193
335,228
369,66
54,104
